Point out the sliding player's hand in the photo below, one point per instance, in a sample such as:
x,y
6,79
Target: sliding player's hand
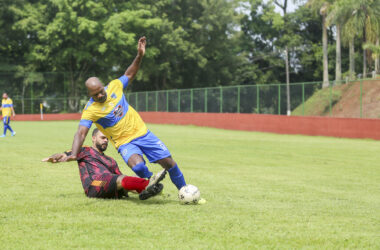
x,y
67,158
54,158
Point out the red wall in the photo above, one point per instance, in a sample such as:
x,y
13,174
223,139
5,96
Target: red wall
x,y
324,126
47,117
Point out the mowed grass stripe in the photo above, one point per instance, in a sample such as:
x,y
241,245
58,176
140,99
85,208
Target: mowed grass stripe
x,y
263,191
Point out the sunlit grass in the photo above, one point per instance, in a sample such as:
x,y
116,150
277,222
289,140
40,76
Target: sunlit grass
x,y
263,191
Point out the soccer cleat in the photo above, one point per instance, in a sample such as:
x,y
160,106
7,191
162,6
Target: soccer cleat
x,y
13,133
201,201
157,178
151,191
2,135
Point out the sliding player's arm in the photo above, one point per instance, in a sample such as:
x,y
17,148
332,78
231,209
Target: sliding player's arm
x,y
134,67
70,155
54,158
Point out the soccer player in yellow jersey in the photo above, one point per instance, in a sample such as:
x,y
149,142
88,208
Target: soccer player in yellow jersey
x,y
123,126
7,110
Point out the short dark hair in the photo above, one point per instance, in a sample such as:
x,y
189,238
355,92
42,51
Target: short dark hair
x,y
95,131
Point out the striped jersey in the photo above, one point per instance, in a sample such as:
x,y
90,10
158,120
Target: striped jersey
x,y
6,106
115,117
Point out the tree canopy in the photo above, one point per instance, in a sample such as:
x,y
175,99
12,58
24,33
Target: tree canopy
x,y
191,43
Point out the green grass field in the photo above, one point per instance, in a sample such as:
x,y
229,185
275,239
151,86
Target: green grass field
x,y
263,191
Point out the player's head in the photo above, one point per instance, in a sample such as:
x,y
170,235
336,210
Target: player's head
x,y
5,95
99,140
95,89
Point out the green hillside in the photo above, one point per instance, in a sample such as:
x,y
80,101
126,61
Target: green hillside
x,y
319,103
354,100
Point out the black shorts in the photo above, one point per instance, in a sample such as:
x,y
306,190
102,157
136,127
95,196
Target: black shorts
x,y
104,186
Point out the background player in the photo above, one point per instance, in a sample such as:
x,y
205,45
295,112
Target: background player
x,y
7,110
123,126
101,177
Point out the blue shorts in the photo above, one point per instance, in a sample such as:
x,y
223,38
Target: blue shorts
x,y
149,145
6,120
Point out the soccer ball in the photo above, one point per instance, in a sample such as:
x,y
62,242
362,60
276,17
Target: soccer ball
x,y
189,194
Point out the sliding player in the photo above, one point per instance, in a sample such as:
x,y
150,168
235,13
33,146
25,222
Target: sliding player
x,y
101,177
7,110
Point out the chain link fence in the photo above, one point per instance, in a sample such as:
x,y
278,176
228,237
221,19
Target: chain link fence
x,y
356,99
345,99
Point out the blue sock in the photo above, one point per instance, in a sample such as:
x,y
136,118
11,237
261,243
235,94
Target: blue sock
x,y
142,170
9,127
177,177
5,129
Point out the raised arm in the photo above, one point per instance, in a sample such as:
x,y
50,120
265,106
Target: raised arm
x,y
134,67
79,138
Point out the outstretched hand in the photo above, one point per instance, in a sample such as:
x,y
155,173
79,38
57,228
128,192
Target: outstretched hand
x,y
55,158
141,46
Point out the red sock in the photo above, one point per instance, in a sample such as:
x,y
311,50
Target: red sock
x,y
134,183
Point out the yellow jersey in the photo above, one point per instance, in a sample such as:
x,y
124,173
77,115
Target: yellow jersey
x,y
115,117
6,107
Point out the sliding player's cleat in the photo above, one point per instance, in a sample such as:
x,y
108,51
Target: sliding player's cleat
x,y
151,191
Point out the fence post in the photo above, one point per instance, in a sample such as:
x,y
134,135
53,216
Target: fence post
x,y
156,100
205,100
303,99
31,98
179,101
361,96
221,99
238,100
167,100
64,94
330,104
257,99
136,101
146,101
279,99
191,100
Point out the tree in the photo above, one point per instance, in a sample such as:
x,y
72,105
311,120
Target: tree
x,y
375,49
12,44
334,17
74,36
323,7
284,10
364,20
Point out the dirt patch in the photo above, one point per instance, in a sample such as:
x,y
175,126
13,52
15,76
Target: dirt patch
x,y
349,103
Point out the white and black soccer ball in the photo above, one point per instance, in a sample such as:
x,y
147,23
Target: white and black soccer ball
x,y
189,194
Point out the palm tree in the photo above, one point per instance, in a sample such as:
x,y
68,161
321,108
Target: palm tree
x,y
375,49
364,20
357,19
339,15
323,7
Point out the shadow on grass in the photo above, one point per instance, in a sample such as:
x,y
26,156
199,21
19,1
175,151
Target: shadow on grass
x,y
160,199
